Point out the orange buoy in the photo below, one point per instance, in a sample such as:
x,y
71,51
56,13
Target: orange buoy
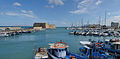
x,y
72,57
97,43
97,57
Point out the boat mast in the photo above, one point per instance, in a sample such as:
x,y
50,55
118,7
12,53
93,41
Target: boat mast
x,y
71,25
105,17
79,24
88,22
82,22
99,22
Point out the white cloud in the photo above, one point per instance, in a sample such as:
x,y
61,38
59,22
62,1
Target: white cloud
x,y
115,13
24,11
113,19
108,13
17,4
29,12
28,15
81,7
98,2
85,5
18,14
56,2
47,6
79,11
1,13
84,1
11,13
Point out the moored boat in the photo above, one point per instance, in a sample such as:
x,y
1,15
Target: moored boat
x,y
40,53
112,46
4,34
92,50
59,51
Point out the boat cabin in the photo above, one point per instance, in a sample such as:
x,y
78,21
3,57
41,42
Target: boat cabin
x,y
116,45
113,44
107,43
58,49
41,53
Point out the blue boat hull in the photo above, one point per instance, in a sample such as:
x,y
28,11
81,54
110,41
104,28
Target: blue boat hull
x,y
68,56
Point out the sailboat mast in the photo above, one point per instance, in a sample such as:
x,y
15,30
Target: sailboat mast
x,y
105,17
82,22
99,20
88,22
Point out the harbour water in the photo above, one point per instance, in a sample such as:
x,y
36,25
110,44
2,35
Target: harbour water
x,y
21,46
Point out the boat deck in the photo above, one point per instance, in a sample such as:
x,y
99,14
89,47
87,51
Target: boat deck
x,y
40,55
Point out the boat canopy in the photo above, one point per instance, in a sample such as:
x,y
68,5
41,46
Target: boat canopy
x,y
85,42
107,40
116,43
87,47
58,45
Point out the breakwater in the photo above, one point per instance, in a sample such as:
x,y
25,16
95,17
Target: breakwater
x,y
15,32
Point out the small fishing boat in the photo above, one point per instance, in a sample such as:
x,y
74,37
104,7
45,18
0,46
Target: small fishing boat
x,y
5,34
14,33
26,31
95,33
92,50
112,46
40,53
59,51
71,32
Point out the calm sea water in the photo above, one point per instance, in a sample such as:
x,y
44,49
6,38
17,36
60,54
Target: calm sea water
x,y
21,46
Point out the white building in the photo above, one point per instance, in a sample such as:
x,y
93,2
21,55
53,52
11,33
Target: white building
x,y
115,24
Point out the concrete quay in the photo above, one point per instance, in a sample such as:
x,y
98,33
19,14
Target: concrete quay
x,y
15,32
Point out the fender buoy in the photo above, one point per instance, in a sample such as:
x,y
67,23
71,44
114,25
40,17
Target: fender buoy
x,y
97,43
82,50
97,57
72,57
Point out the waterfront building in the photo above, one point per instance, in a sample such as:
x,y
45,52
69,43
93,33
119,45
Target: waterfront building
x,y
52,26
115,24
93,26
37,28
44,26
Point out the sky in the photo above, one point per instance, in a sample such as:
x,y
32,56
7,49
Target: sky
x,y
59,12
